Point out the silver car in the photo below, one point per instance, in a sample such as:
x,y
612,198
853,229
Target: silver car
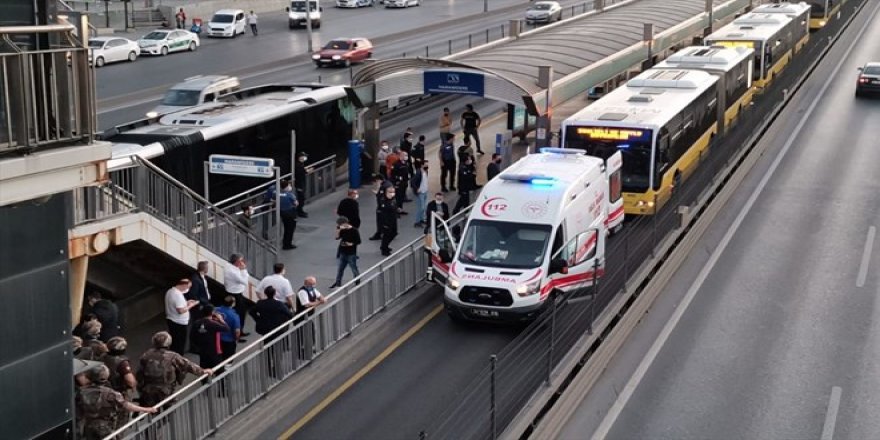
x,y
103,50
544,12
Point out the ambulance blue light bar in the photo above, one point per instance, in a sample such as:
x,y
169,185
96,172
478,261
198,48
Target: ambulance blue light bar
x,y
554,150
534,179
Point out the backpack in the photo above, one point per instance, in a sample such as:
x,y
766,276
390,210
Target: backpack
x,y
448,153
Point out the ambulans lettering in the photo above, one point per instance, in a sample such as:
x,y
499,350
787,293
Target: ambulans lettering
x,y
493,278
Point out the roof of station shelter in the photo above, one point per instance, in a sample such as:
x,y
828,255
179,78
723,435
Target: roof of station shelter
x,y
571,46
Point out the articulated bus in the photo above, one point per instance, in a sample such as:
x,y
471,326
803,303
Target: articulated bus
x,y
822,11
772,36
732,65
662,122
798,12
251,122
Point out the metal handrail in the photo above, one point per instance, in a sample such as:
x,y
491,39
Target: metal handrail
x,y
37,29
263,186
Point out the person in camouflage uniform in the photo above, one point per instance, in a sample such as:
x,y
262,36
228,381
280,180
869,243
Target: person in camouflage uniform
x,y
100,408
122,377
162,370
92,348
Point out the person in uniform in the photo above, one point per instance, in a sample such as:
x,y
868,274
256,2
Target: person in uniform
x,y
162,370
387,213
122,377
299,182
92,347
100,408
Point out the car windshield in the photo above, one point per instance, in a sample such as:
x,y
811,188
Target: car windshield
x,y
871,70
96,44
541,7
155,36
337,45
221,18
181,97
504,244
301,6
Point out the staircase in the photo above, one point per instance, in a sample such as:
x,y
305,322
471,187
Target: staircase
x,y
143,202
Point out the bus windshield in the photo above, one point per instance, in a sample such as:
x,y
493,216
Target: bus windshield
x,y
633,143
504,244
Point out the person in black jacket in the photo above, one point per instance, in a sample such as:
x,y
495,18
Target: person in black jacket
x,y
350,208
494,167
270,313
439,206
199,288
299,182
400,177
107,314
205,337
346,254
467,182
387,214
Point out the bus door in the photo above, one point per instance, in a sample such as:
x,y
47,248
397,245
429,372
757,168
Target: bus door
x,y
577,264
442,247
614,171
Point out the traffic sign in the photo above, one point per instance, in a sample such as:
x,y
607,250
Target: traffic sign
x,y
241,165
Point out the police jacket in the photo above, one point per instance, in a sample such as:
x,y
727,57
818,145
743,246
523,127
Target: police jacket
x,y
467,177
299,175
387,212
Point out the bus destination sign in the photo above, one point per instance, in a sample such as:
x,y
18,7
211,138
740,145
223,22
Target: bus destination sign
x,y
613,134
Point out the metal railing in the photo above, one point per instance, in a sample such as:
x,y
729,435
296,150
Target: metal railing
x,y
47,95
198,409
146,188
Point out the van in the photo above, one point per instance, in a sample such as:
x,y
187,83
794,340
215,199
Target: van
x,y
537,229
194,91
227,23
296,14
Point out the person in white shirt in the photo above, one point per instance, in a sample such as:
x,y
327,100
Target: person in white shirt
x,y
235,280
283,289
252,21
177,309
308,294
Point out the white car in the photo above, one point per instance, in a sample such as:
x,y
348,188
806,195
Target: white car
x,y
353,3
544,12
163,41
227,23
401,3
103,50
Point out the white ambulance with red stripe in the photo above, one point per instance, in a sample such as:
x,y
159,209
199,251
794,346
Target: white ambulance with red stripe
x,y
536,229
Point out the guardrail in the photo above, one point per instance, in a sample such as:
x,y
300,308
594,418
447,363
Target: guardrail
x,y
198,409
48,94
148,189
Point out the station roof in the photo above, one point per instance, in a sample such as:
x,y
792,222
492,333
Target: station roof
x,y
569,46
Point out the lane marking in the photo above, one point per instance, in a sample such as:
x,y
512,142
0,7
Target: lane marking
x,y
360,374
627,392
866,257
831,414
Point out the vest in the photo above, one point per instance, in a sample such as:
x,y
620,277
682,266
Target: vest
x,y
116,381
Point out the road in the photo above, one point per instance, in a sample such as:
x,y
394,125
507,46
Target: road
x,y
779,334
126,91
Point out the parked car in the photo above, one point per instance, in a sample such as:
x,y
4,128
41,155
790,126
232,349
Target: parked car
x,y
296,14
544,12
343,51
227,23
194,91
353,3
401,3
103,50
163,41
869,79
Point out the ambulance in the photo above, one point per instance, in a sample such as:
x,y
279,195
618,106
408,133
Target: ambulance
x,y
536,229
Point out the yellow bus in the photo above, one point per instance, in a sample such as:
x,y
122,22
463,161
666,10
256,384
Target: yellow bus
x,y
772,36
661,121
822,12
733,66
798,12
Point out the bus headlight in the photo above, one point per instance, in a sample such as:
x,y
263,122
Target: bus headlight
x,y
822,23
452,283
642,203
527,289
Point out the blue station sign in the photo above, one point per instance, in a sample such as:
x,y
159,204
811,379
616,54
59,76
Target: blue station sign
x,y
461,83
241,165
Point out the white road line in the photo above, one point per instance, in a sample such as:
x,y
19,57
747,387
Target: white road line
x,y
831,414
627,392
866,257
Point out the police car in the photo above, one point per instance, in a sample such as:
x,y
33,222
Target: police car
x,y
163,41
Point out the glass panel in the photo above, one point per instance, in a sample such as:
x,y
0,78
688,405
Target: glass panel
x,y
505,244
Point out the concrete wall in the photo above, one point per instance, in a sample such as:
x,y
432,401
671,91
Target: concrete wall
x,y
205,9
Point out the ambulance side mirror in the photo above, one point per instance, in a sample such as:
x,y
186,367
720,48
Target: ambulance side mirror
x,y
558,265
445,256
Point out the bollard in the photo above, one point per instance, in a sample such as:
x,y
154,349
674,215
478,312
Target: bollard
x,y
450,47
319,79
426,51
470,41
502,31
487,36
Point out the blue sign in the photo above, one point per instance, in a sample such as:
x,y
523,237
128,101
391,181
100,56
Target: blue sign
x,y
241,165
462,83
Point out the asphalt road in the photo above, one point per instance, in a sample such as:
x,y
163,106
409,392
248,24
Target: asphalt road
x,y
126,91
780,340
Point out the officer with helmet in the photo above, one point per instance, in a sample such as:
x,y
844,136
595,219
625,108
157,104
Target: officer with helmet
x,y
99,407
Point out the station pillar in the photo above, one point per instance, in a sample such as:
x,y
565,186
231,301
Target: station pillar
x,y
370,136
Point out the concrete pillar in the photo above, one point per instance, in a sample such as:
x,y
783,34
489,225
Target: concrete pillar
x,y
710,12
598,5
648,39
79,269
545,81
371,136
514,29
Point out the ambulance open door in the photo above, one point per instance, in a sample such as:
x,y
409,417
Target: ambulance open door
x,y
614,173
578,262
443,248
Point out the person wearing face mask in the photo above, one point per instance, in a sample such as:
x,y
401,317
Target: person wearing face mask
x,y
439,206
287,206
467,182
445,124
177,309
400,177
494,167
350,208
419,186
382,157
299,182
387,214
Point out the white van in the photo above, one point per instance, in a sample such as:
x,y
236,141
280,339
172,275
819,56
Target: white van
x,y
194,91
537,228
227,23
296,14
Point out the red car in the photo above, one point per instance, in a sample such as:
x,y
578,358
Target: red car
x,y
344,51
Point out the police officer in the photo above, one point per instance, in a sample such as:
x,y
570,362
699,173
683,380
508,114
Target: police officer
x,y
121,375
162,370
288,206
467,182
100,408
386,213
400,172
299,182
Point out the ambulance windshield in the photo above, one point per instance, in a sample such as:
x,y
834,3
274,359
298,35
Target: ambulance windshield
x,y
504,244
